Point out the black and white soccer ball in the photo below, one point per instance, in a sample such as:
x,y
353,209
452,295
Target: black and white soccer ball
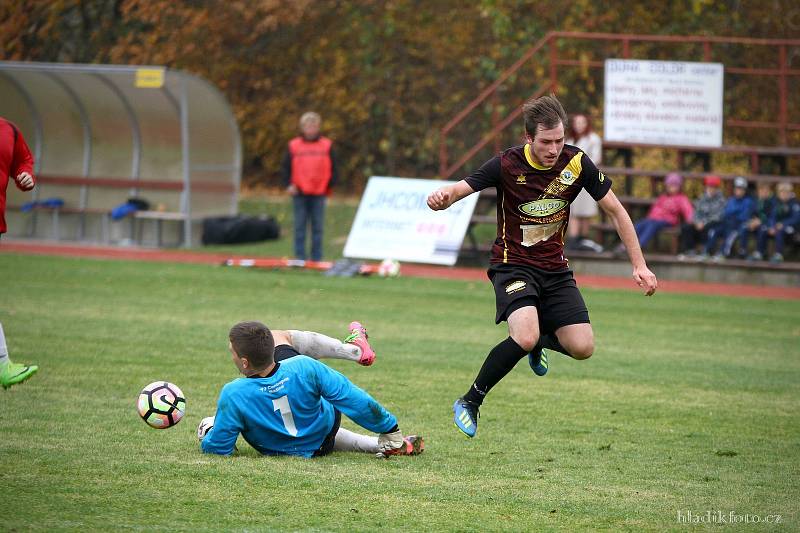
x,y
161,404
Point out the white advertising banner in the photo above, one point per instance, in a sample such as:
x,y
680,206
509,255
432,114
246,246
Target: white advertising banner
x,y
673,103
394,221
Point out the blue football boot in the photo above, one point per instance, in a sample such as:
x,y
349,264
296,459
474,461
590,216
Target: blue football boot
x,y
537,359
465,417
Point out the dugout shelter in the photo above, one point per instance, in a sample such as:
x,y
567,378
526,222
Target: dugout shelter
x,y
102,134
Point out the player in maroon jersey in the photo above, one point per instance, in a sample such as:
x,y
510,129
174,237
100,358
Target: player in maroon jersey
x,y
535,290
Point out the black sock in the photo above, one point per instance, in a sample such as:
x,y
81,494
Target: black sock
x,y
550,341
498,363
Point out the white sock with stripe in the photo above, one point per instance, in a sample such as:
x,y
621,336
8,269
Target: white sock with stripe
x,y
321,346
347,441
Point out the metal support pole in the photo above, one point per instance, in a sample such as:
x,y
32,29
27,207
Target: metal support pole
x,y
186,208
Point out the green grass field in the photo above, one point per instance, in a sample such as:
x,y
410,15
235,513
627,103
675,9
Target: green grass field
x,y
689,404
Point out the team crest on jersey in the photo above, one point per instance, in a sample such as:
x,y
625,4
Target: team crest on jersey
x,y
544,207
567,177
521,179
515,286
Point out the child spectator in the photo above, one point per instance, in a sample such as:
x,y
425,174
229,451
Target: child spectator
x,y
758,223
738,210
667,211
708,210
783,223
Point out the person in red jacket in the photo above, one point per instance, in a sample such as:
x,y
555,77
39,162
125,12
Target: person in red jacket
x,y
16,162
669,210
309,172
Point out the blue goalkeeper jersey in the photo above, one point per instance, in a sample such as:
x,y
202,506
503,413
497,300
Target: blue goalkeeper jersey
x,y
291,411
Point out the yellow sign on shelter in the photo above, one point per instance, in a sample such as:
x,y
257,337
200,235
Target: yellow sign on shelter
x,y
150,78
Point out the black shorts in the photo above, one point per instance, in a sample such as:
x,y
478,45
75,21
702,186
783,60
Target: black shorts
x,y
327,445
284,351
554,294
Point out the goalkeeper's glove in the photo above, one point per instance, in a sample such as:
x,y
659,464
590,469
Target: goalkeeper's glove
x,y
205,426
388,442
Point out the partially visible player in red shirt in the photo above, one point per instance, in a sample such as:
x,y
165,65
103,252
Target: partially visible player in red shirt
x,y
535,292
16,162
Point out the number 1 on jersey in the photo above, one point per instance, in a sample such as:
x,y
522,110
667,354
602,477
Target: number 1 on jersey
x,y
282,404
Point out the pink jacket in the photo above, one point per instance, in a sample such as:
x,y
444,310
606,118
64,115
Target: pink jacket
x,y
671,209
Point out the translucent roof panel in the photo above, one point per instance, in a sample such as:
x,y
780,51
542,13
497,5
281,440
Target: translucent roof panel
x,y
102,133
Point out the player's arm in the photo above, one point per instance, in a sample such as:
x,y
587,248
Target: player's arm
x,y
351,400
22,165
446,196
221,438
642,275
488,175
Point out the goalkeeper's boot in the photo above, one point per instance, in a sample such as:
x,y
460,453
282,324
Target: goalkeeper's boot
x,y
13,373
465,417
358,336
537,359
412,445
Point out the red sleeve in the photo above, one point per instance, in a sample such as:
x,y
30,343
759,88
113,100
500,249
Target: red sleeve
x,y
22,161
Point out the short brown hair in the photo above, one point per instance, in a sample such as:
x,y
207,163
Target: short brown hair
x,y
254,341
545,111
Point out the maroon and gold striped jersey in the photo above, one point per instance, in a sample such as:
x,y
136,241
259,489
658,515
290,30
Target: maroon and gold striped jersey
x,y
533,203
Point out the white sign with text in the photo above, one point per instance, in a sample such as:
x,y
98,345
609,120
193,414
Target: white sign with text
x,y
673,103
394,221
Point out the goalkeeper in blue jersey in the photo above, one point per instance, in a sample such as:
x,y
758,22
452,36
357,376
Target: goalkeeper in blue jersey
x,y
291,404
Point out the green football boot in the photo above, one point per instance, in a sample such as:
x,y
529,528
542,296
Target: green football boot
x,y
13,373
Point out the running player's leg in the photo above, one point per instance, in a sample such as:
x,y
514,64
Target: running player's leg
x,y
516,298
576,340
12,373
523,328
565,318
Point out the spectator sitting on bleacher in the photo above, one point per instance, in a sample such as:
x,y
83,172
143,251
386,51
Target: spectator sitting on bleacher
x,y
708,210
738,210
783,223
759,222
667,211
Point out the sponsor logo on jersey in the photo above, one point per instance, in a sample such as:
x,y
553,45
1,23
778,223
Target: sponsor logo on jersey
x,y
544,207
275,387
515,286
521,179
567,177
601,177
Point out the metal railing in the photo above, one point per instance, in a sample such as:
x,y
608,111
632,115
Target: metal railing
x,y
546,61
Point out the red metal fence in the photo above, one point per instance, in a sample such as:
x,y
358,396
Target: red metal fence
x,y
754,68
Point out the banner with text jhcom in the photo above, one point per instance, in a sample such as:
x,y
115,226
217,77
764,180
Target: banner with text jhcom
x,y
394,221
672,103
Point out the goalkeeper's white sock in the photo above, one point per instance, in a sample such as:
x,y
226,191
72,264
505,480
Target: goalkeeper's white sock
x,y
321,346
3,348
347,441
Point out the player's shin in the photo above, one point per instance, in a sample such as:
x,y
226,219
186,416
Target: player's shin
x,y
500,361
347,441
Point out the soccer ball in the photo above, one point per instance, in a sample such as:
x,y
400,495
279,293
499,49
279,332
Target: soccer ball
x,y
389,268
161,404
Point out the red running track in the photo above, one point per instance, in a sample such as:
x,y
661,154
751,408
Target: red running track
x,y
408,269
